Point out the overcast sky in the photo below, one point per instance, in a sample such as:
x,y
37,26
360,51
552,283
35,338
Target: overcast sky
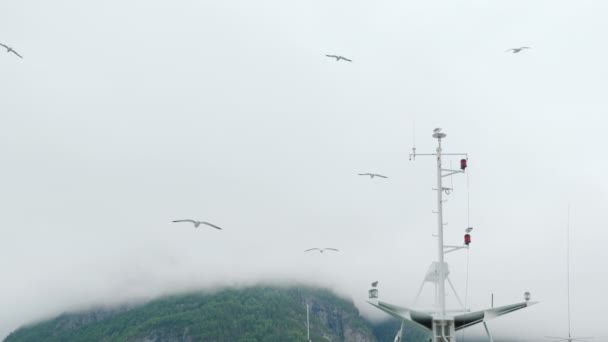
x,y
125,115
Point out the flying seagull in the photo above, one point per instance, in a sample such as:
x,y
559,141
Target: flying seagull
x,y
372,175
338,58
198,223
468,230
518,50
374,284
321,249
10,49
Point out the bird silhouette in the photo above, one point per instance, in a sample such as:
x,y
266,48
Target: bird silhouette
x,y
338,58
518,50
321,249
372,175
10,49
198,223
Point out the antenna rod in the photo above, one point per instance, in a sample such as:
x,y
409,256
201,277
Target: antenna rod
x,y
413,154
441,287
307,324
568,264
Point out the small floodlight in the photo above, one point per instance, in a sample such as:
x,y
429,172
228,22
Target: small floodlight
x,y
373,293
527,296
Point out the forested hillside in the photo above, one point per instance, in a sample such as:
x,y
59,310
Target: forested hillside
x,y
231,315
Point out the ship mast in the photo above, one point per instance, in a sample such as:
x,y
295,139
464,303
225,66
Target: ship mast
x,y
443,328
441,267
441,323
441,285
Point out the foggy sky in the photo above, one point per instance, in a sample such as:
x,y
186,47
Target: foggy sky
x,y
125,115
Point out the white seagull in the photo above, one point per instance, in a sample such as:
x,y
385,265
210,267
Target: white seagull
x,y
338,58
372,175
321,249
10,49
518,50
198,223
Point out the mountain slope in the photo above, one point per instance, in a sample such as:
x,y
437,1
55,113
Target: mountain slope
x,y
251,314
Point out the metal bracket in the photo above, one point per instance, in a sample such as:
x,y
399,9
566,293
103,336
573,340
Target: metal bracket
x,y
450,249
488,332
451,172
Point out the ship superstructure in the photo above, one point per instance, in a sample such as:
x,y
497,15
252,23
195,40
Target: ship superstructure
x,y
442,323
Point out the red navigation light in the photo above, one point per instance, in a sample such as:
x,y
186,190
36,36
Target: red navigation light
x,y
463,164
467,239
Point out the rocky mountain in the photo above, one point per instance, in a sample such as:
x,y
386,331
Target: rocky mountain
x,y
230,315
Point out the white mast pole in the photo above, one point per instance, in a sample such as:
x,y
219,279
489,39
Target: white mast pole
x,y
307,324
443,326
440,249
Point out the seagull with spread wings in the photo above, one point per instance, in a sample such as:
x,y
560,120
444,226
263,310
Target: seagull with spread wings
x,y
321,249
518,50
372,175
338,58
198,223
10,49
